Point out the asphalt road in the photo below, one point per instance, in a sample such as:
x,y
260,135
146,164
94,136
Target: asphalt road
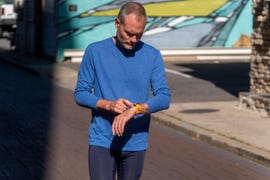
x,y
207,81
44,136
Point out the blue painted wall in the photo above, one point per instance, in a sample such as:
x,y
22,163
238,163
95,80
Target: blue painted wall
x,y
220,28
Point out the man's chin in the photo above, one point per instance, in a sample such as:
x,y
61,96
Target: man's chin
x,y
129,47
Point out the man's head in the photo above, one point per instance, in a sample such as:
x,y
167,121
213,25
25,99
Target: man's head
x,y
130,25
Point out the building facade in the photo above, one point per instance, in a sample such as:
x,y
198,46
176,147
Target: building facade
x,y
36,32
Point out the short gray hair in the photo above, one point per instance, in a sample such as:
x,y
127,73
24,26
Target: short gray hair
x,y
132,8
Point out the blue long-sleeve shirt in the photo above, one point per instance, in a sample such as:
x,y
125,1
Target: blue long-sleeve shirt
x,y
109,72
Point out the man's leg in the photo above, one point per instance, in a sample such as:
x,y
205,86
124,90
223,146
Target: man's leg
x,y
101,163
130,165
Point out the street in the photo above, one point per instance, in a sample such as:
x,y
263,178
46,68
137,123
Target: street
x,y
44,136
209,81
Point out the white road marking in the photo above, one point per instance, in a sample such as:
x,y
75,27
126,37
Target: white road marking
x,y
177,73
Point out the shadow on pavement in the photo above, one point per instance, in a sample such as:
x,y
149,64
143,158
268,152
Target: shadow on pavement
x,y
25,108
232,77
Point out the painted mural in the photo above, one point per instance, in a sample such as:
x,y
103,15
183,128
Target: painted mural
x,y
170,24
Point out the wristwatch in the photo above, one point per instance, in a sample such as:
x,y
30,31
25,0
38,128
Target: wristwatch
x,y
138,108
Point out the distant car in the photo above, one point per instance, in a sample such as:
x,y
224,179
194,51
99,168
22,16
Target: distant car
x,y
7,19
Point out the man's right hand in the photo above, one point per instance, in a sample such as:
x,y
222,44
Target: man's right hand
x,y
117,106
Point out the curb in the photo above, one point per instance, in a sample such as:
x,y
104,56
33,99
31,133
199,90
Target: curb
x,y
213,138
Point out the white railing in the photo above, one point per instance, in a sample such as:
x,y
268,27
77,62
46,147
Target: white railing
x,y
199,53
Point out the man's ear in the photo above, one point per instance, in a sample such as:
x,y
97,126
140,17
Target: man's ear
x,y
117,22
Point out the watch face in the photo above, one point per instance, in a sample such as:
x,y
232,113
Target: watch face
x,y
138,108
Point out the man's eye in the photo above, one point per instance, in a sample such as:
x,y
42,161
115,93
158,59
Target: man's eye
x,y
129,34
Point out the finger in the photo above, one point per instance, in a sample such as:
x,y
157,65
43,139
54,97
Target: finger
x,y
119,127
121,130
125,103
128,103
119,108
122,108
113,127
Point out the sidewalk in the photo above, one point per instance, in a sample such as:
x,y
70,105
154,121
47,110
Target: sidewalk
x,y
220,123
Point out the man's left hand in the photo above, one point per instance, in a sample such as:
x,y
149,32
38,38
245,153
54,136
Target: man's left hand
x,y
120,121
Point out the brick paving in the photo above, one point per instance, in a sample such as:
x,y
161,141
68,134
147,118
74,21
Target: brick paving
x,y
43,133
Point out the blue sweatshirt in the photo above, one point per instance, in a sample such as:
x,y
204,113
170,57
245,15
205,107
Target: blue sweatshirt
x,y
109,72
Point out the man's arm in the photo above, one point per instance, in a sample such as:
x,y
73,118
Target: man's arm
x,y
161,93
83,91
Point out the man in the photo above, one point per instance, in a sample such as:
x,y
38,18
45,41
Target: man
x,y
114,80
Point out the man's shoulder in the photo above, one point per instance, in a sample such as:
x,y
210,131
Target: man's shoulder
x,y
97,44
149,48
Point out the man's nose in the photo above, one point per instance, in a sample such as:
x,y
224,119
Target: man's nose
x,y
134,39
